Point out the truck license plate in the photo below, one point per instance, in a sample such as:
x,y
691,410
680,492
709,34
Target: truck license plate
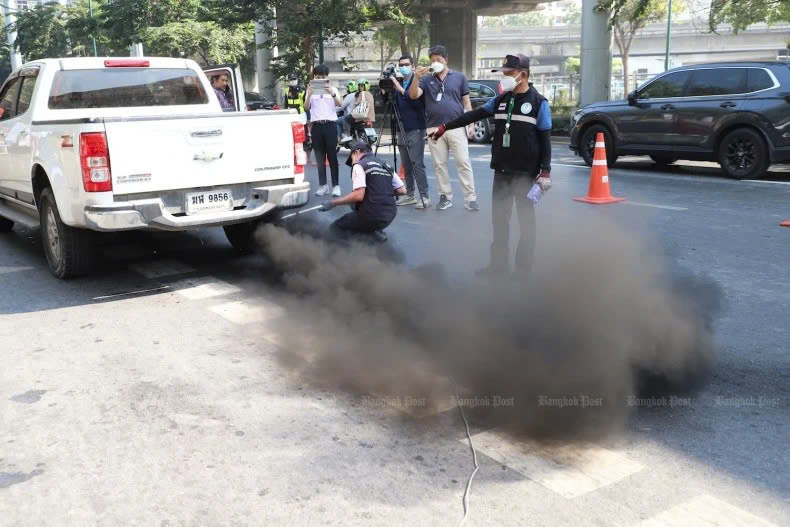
x,y
209,201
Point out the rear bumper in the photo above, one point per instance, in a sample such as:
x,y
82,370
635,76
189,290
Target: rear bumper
x,y
153,213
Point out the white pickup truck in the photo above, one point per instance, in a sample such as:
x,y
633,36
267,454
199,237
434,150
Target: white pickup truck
x,y
97,144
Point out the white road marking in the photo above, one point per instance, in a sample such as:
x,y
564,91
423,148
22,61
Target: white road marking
x,y
568,165
205,287
161,268
7,270
568,470
655,206
247,312
130,293
762,181
704,510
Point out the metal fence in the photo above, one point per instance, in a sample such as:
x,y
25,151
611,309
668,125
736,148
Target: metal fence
x,y
565,88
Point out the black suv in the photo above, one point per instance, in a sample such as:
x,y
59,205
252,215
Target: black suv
x,y
737,114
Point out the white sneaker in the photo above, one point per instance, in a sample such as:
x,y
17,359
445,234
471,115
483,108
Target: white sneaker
x,y
323,189
336,191
345,138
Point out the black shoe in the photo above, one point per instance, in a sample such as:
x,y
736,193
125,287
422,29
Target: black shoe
x,y
444,203
380,236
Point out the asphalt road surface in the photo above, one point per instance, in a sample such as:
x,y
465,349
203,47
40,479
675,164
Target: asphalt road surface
x,y
148,394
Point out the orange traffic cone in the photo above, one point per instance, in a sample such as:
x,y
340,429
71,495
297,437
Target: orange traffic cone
x,y
785,223
598,192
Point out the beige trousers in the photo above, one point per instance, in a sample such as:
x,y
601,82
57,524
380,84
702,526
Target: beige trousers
x,y
454,141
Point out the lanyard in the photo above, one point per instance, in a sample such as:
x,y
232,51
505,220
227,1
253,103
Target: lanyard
x,y
510,106
408,83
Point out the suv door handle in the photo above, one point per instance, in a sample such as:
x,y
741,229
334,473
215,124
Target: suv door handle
x,y
668,107
728,104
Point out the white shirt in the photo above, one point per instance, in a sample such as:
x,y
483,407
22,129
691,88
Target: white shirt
x,y
358,178
322,106
348,100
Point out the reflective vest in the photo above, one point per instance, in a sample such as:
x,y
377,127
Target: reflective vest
x,y
295,99
379,201
523,155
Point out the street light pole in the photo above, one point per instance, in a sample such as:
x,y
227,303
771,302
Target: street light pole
x,y
90,15
669,34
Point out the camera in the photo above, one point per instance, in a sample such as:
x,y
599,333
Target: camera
x,y
385,80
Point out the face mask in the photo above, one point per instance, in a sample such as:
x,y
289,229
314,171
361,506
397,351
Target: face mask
x,y
437,67
293,83
405,70
508,83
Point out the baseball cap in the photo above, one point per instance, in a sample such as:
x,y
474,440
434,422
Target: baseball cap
x,y
359,145
514,62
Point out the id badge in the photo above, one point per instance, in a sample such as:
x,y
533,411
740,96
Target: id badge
x,y
439,97
506,140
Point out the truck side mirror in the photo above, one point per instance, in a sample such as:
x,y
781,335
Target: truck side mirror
x,y
632,98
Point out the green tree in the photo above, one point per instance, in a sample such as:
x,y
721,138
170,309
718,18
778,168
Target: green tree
x,y
627,17
573,65
41,32
5,57
301,26
742,13
572,16
391,37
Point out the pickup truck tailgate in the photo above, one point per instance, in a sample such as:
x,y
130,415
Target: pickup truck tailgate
x,y
153,154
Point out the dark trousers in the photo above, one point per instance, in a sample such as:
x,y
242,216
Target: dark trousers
x,y
412,153
356,222
324,137
512,187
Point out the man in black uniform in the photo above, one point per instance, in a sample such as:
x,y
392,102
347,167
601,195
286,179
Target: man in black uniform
x,y
294,98
520,157
374,186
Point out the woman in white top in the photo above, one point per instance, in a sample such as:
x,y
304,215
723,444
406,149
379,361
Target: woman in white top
x,y
323,129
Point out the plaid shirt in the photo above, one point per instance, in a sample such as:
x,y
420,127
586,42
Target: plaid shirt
x,y
224,101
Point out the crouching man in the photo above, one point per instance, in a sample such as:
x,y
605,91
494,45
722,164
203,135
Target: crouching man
x,y
374,187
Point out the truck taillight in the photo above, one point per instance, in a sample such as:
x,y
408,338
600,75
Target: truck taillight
x,y
300,156
95,162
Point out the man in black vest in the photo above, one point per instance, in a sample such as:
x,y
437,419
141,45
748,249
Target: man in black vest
x,y
520,157
374,186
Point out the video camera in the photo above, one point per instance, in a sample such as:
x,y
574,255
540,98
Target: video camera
x,y
385,80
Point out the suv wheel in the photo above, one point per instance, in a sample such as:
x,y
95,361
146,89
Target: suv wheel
x,y
663,160
587,145
482,132
6,225
743,154
70,252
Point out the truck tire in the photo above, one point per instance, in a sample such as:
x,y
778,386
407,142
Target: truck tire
x,y
242,236
743,154
6,225
587,145
70,252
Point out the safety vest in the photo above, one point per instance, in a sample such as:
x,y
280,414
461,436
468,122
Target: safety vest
x,y
379,201
523,154
295,99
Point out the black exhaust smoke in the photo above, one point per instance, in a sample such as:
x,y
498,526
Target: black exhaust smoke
x,y
558,355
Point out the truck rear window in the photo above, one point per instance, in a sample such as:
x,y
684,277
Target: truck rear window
x,y
125,87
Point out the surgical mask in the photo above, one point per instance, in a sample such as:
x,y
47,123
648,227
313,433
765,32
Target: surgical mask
x,y
508,83
405,70
437,67
293,83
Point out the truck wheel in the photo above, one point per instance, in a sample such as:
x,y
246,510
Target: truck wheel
x,y
587,145
743,154
242,236
6,225
70,252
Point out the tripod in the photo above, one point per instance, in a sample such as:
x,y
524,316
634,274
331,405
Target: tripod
x,y
391,110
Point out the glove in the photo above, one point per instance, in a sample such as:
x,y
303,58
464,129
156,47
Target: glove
x,y
439,132
544,180
327,205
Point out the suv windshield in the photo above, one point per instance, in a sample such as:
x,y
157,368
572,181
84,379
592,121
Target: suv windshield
x,y
125,87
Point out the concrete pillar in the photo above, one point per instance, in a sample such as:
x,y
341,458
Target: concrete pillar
x,y
10,8
596,55
456,29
